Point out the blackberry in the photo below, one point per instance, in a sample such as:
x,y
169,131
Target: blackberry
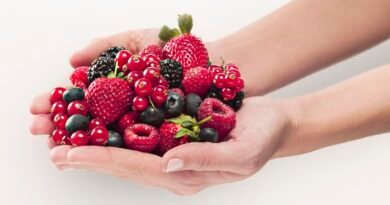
x,y
236,103
172,71
214,93
100,67
111,52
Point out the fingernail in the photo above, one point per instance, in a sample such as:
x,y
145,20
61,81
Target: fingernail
x,y
174,165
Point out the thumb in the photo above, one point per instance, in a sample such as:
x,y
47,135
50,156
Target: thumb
x,y
202,157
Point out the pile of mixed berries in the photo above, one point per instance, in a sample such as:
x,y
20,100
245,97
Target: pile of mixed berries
x,y
152,101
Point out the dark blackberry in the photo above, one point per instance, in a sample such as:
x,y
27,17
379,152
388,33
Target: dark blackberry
x,y
213,93
100,67
111,52
172,71
236,103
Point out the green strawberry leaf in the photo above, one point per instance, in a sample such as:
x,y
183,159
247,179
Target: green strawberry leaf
x,y
185,23
167,33
120,75
183,132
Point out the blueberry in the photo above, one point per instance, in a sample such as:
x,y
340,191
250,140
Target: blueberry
x,y
174,105
208,135
152,116
193,102
76,122
73,94
114,139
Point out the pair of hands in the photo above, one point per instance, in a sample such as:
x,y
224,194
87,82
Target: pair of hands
x,y
262,126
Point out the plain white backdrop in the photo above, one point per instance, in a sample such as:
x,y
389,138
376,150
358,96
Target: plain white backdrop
x,y
36,39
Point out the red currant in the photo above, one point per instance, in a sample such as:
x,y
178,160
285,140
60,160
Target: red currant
x,y
240,85
122,57
163,82
140,103
228,94
125,121
58,107
235,72
214,70
231,80
231,66
159,95
99,136
136,63
56,94
143,87
60,137
60,120
78,107
79,138
153,74
151,60
95,123
219,80
134,76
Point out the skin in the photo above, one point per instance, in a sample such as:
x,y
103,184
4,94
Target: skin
x,y
280,127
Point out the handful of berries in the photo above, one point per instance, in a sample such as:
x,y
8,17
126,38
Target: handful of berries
x,y
152,101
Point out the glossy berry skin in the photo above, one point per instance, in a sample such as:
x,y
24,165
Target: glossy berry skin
x,y
95,123
122,57
192,103
159,95
223,117
231,80
174,105
231,66
56,94
79,77
140,103
152,116
151,60
76,122
240,85
219,80
236,72
136,63
152,49
163,82
228,94
125,121
197,80
168,131
143,87
60,137
134,76
141,137
78,107
214,70
98,136
73,94
177,91
79,138
58,107
60,120
114,139
152,74
208,135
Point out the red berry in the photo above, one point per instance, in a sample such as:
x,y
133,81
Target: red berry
x,y
140,103
163,82
153,74
79,77
177,91
56,94
99,136
219,80
141,137
136,63
214,70
125,121
78,107
231,66
152,49
159,95
134,76
236,72
151,60
79,138
96,122
197,80
60,120
58,107
122,57
240,85
231,80
168,140
143,87
228,94
60,137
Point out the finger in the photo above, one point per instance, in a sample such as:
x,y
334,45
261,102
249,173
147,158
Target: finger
x,y
50,143
59,154
41,104
86,55
203,157
41,125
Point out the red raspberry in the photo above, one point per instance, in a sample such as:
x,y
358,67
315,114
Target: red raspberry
x,y
152,49
141,137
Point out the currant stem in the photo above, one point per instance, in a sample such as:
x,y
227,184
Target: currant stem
x,y
204,120
151,102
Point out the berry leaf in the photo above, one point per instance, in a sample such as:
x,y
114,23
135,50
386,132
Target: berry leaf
x,y
167,33
185,23
120,75
184,132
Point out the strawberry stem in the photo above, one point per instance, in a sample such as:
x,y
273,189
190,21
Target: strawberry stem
x,y
204,120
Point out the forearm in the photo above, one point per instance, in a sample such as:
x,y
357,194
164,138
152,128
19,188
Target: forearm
x,y
302,37
353,109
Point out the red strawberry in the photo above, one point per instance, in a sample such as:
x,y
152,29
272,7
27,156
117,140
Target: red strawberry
x,y
184,47
79,77
109,98
168,140
141,137
223,117
152,49
197,80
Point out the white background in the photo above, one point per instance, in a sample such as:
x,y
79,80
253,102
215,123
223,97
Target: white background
x,y
36,38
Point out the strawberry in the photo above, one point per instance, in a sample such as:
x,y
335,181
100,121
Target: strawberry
x,y
182,46
223,117
152,49
197,80
109,98
141,137
79,77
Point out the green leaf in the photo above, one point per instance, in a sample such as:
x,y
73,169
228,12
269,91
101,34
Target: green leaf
x,y
185,23
120,75
183,132
187,124
167,33
176,120
111,74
